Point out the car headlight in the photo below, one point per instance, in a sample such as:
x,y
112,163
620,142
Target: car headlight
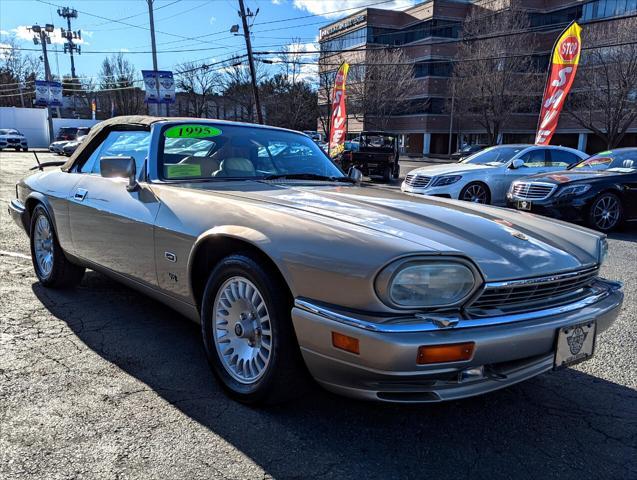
x,y
446,180
574,190
603,250
426,283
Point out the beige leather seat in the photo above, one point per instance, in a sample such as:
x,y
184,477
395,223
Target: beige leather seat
x,y
235,167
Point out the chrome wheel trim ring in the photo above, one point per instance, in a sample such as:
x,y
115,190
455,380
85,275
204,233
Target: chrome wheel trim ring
x,y
43,245
606,212
475,193
242,331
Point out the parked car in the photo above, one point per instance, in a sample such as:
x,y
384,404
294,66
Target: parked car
x,y
485,177
352,145
601,191
66,133
466,151
58,147
377,156
69,147
291,266
11,138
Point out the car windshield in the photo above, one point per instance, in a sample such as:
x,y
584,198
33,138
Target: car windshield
x,y
213,151
619,160
9,131
494,155
377,140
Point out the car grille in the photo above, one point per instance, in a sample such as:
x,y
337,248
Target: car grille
x,y
417,181
532,190
13,140
517,296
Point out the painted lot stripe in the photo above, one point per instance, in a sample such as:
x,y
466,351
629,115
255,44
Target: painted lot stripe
x,y
4,253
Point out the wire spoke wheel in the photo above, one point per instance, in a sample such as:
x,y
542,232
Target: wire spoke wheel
x,y
43,245
241,330
606,212
475,193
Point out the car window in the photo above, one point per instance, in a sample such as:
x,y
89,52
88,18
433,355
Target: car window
x,y
534,158
209,151
620,160
499,154
119,144
562,158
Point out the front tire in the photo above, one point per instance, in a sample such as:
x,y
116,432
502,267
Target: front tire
x,y
475,192
247,332
606,212
51,266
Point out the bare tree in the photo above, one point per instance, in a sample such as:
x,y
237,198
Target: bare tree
x,y
604,97
490,74
200,84
118,79
381,88
237,88
18,73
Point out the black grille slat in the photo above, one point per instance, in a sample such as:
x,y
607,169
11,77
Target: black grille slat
x,y
418,181
532,191
524,297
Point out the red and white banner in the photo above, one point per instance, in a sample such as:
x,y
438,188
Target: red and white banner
x,y
564,63
338,120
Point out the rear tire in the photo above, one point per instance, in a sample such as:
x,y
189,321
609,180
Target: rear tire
x,y
248,334
51,266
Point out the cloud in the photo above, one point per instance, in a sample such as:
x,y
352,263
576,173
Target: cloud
x,y
124,50
276,2
4,32
23,33
326,7
213,20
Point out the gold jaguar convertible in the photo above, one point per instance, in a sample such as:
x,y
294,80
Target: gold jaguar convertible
x,y
296,269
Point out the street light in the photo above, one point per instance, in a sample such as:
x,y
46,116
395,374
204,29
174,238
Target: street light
x,y
49,27
234,29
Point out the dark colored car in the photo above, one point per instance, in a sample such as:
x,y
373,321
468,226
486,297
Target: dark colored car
x,y
71,133
600,191
377,156
466,151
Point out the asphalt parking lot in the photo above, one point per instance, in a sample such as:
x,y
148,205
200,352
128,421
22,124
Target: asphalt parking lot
x,y
102,382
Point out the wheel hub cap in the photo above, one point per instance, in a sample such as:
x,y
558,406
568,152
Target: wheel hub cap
x,y
242,332
43,245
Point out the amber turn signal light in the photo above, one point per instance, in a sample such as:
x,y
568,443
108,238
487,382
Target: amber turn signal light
x,y
344,342
455,352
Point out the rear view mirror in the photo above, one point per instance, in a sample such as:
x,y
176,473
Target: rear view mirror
x,y
517,163
119,167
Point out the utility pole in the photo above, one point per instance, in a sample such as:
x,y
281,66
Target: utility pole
x,y
69,46
154,48
453,104
253,75
42,36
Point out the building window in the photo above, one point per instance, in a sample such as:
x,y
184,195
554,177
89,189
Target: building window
x,y
349,40
427,29
432,68
608,8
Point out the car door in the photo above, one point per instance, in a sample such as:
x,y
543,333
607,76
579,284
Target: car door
x,y
111,226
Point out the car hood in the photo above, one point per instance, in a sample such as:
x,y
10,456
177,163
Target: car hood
x,y
12,135
451,168
504,243
567,176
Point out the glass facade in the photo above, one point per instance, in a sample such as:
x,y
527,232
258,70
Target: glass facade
x,y
426,29
608,8
349,40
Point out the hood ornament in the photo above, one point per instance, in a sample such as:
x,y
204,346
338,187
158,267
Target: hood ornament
x,y
519,235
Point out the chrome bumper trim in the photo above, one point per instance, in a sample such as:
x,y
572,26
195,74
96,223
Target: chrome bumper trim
x,y
436,322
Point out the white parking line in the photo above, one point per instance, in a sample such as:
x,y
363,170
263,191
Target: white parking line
x,y
14,254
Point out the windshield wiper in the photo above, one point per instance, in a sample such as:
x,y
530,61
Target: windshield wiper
x,y
307,176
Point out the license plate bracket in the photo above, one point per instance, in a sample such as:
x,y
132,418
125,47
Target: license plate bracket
x,y
524,205
575,344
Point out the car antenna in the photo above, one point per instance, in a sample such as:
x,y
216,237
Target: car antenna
x,y
37,160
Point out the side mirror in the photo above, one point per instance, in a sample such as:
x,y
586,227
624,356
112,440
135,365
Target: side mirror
x,y
356,175
517,163
120,167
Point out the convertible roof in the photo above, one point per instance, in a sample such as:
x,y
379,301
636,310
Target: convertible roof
x,y
132,120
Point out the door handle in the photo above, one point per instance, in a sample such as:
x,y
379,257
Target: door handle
x,y
80,194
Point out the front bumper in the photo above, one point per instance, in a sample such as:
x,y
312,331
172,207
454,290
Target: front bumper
x,y
19,214
569,209
510,348
446,191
